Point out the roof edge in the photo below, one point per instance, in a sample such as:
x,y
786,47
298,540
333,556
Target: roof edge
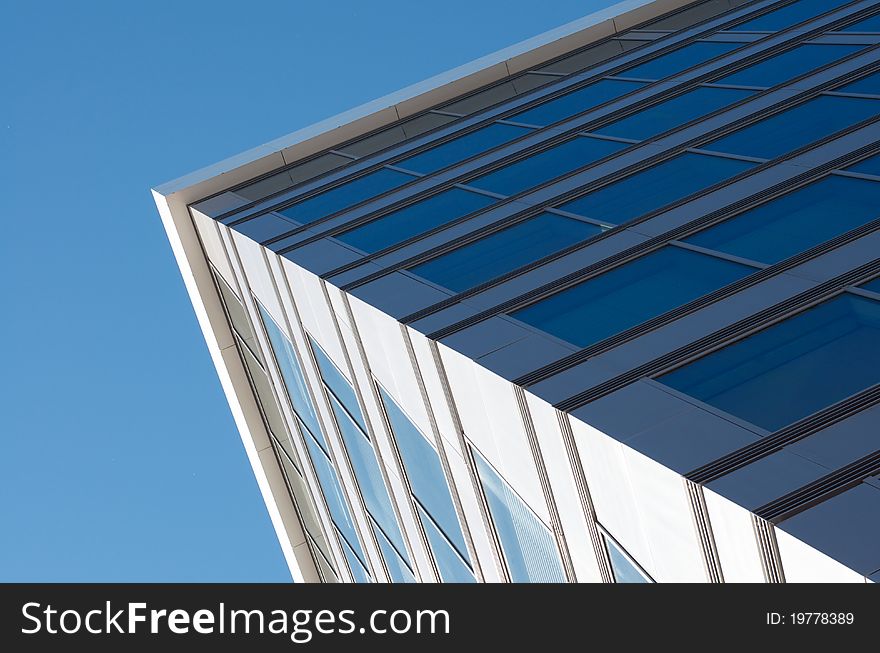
x,y
414,98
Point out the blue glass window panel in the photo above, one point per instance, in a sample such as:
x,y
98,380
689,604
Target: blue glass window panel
x,y
624,570
544,166
338,384
789,15
528,546
678,60
294,382
415,219
869,85
655,187
452,568
873,286
871,24
630,294
424,471
398,570
346,195
869,166
333,495
792,369
368,475
575,102
799,126
789,65
263,227
461,148
358,572
505,250
795,222
673,113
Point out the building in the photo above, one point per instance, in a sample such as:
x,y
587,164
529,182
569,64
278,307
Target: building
x,y
602,306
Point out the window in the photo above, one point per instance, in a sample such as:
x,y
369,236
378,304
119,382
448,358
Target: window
x,y
791,369
694,14
788,65
346,195
449,562
292,176
331,487
415,219
796,127
678,60
796,221
623,568
659,185
358,571
291,373
527,544
630,294
544,166
792,14
869,85
870,25
582,59
505,250
428,482
368,474
873,286
237,316
462,147
264,227
870,166
575,102
316,445
339,385
397,568
673,113
362,456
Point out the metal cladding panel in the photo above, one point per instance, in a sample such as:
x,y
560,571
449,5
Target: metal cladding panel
x,y
735,540
605,467
565,491
491,421
804,564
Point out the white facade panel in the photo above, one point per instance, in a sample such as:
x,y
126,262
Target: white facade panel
x,y
804,564
209,235
565,491
389,360
666,519
251,256
734,539
491,420
314,311
607,476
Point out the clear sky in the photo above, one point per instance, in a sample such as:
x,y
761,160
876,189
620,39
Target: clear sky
x,y
120,460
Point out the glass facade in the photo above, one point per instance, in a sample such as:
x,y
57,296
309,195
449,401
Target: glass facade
x,y
545,227
317,446
792,369
797,127
622,568
505,251
362,456
789,15
795,222
630,294
528,546
424,470
788,65
659,185
544,166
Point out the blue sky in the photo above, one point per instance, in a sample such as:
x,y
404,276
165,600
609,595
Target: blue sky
x,y
120,460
